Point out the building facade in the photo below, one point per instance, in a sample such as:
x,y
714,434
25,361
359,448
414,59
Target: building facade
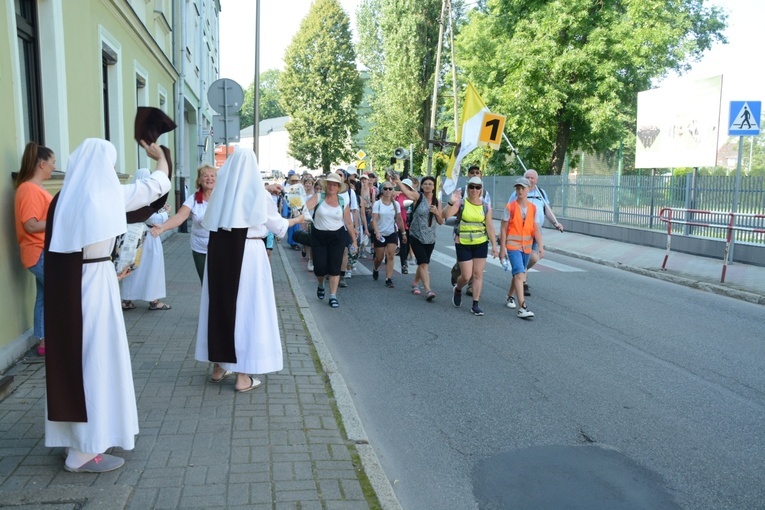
x,y
77,69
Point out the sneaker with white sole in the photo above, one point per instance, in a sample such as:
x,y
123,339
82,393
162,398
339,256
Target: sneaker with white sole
x,y
476,310
348,273
524,312
310,265
101,463
510,302
456,296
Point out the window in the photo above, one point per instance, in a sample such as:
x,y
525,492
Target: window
x,y
114,97
29,64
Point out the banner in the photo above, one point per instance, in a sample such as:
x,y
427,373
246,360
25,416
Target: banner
x,y
678,125
467,136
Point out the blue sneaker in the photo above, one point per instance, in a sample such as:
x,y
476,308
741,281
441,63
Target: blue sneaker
x,y
457,296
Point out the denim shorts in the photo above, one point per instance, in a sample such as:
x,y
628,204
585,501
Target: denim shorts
x,y
518,261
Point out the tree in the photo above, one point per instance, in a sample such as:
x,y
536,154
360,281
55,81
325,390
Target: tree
x,y
398,40
320,88
567,74
269,99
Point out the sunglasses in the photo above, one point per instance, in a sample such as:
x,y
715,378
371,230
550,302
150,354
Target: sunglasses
x,y
387,189
475,186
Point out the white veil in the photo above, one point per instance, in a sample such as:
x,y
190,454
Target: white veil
x,y
91,205
239,199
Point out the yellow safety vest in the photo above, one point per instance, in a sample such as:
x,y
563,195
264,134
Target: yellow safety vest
x,y
472,227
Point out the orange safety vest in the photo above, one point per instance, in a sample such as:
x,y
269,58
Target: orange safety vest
x,y
520,232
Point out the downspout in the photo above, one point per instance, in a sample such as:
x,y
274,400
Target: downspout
x,y
180,148
202,56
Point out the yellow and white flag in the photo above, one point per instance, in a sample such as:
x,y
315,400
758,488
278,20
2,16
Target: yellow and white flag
x,y
467,136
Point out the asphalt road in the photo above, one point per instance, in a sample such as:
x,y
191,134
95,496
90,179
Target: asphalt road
x,y
623,391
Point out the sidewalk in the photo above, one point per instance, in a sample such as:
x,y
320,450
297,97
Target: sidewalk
x,y
201,445
745,282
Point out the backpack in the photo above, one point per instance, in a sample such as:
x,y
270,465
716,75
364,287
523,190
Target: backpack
x,y
321,200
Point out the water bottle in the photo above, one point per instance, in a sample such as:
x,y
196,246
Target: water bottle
x,y
505,263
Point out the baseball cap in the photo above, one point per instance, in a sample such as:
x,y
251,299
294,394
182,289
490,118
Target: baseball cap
x,y
522,181
408,183
351,170
475,180
291,172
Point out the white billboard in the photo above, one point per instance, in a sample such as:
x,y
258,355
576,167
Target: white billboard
x,y
678,126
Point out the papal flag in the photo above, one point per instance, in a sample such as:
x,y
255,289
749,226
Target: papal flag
x,y
467,136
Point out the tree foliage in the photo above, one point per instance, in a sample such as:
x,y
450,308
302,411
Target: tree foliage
x,y
398,40
567,74
269,99
320,88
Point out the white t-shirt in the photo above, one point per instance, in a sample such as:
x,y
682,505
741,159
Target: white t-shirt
x,y
386,217
200,236
352,200
329,218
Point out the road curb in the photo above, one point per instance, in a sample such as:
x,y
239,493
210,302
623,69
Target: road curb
x,y
659,274
351,421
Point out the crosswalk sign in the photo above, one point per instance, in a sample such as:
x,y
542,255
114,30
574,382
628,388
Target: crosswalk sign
x,y
744,118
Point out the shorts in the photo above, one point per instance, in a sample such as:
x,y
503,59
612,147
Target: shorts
x,y
421,251
518,261
389,239
467,252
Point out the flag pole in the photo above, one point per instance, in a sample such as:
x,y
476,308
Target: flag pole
x,y
515,152
436,74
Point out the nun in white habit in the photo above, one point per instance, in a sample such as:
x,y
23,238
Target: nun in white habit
x,y
90,394
147,282
238,326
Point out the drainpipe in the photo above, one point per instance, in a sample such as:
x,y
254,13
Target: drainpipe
x,y
180,146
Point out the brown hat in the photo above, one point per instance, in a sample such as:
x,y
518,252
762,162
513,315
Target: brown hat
x,y
150,123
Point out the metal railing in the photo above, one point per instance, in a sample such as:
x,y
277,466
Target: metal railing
x,y
636,200
707,219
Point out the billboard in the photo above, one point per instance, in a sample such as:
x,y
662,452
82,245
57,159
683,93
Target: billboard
x,y
678,126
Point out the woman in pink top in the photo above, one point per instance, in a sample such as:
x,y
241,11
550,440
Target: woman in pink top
x,y
31,208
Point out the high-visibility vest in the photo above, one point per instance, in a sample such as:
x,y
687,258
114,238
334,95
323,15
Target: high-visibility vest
x,y
520,232
472,225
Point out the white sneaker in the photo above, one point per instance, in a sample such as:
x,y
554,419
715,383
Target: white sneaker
x,y
348,273
310,265
524,313
510,302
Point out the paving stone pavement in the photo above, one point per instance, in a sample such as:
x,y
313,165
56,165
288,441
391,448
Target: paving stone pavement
x,y
200,445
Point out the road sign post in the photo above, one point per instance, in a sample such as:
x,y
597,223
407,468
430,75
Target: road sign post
x,y
225,97
744,120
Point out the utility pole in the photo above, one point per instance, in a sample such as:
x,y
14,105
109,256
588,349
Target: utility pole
x,y
436,74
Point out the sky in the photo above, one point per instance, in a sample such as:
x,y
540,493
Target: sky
x,y
738,62
279,21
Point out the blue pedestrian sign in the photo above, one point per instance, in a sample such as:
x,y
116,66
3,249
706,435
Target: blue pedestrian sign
x,y
744,118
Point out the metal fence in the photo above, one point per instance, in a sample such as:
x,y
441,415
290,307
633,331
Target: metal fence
x,y
635,200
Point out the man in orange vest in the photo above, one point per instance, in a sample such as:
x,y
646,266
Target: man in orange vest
x,y
518,231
